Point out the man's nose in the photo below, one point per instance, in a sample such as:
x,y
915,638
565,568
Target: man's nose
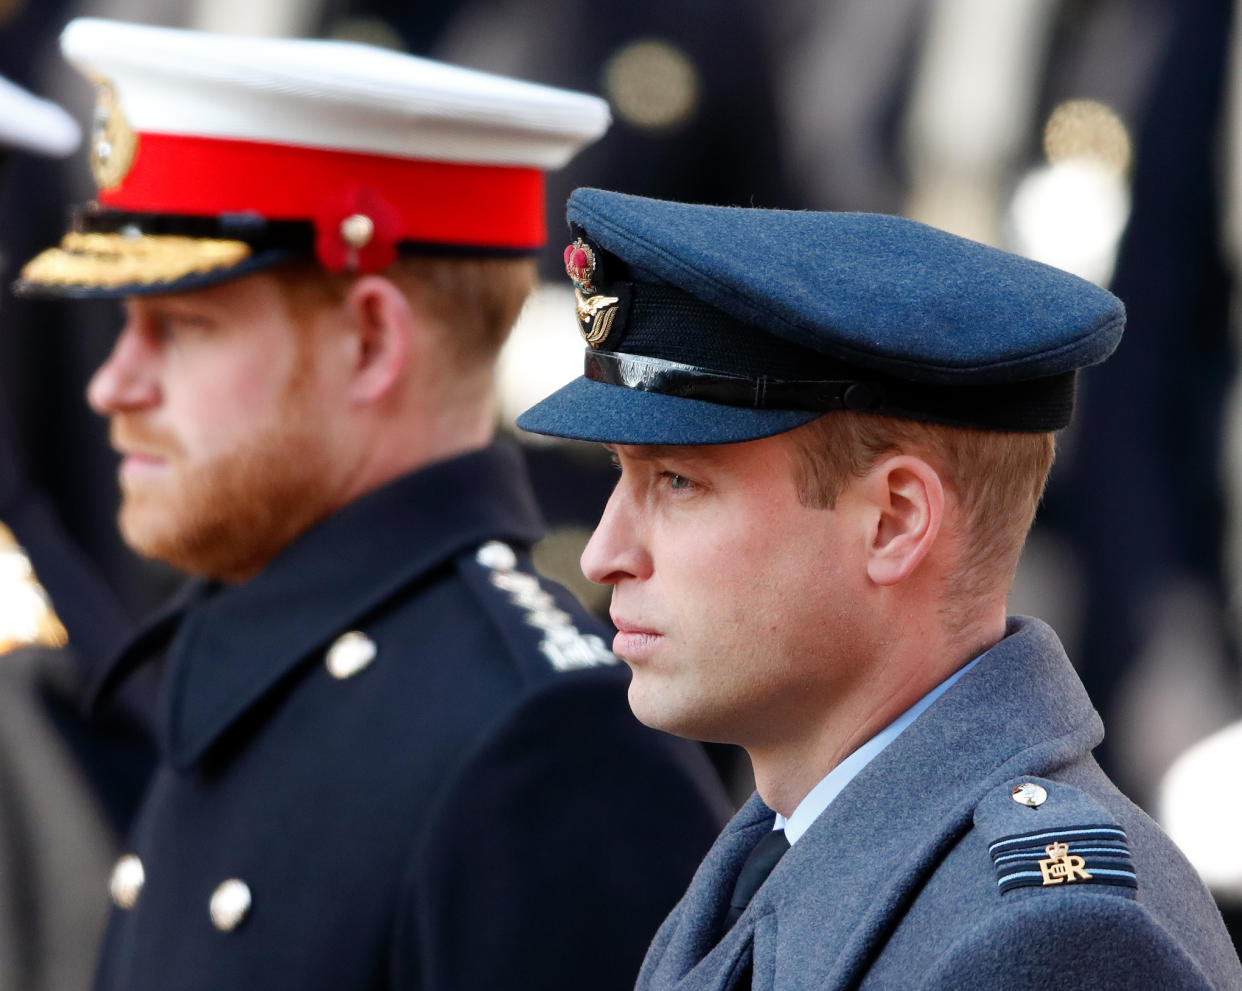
x,y
615,550
126,380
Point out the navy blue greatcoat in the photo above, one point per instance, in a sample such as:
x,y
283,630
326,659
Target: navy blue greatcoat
x,y
457,798
925,872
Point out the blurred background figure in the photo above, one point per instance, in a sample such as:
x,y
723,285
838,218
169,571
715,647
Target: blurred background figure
x,y
1097,135
67,789
1201,811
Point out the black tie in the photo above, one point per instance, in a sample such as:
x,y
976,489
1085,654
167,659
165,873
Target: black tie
x,y
754,872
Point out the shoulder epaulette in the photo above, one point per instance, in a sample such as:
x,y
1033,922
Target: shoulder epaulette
x,y
1047,834
560,641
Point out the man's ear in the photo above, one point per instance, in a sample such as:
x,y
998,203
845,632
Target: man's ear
x,y
381,326
906,502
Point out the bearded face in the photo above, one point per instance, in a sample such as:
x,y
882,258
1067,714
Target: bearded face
x,y
223,430
227,514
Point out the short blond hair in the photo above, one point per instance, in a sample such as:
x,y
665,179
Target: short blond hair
x,y
996,477
474,300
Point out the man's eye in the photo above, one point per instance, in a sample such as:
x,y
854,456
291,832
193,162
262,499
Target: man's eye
x,y
168,325
158,329
678,482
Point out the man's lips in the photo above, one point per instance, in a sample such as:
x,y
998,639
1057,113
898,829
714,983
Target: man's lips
x,y
134,441
633,640
138,462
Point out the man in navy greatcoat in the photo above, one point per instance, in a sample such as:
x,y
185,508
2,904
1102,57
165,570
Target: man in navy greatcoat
x,y
391,755
833,431
67,785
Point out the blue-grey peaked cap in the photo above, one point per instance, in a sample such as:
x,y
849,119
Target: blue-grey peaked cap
x,y
720,324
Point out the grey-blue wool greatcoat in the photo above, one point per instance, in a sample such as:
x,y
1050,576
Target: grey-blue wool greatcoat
x,y
928,872
399,759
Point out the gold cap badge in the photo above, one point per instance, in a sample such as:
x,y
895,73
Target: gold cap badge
x,y
595,312
113,141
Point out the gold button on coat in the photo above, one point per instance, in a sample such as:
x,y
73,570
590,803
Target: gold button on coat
x,y
349,654
125,884
230,903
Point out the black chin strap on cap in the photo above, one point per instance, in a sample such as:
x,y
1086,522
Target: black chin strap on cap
x,y
1036,405
672,378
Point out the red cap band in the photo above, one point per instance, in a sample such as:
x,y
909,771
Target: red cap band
x,y
450,203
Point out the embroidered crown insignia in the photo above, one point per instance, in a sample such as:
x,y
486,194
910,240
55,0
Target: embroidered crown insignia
x,y
580,265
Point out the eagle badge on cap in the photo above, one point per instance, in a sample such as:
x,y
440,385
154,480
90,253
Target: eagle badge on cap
x,y
595,312
113,141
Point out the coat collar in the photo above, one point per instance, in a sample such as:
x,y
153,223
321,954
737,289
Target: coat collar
x,y
1021,710
687,952
231,645
149,640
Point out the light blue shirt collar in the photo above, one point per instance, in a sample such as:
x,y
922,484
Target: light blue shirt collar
x,y
819,797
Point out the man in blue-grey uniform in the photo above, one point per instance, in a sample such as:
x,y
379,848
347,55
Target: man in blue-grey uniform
x,y
391,755
833,431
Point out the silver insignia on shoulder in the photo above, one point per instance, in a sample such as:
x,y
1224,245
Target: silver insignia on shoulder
x,y
565,646
496,555
568,648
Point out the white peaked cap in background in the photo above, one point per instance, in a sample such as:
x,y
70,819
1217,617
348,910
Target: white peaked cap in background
x,y
333,93
216,155
30,123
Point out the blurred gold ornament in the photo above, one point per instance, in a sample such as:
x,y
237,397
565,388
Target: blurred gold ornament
x,y
1087,129
652,84
122,259
26,615
113,142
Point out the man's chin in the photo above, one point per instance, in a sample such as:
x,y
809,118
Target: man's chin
x,y
695,718
230,532
153,532
150,534
653,708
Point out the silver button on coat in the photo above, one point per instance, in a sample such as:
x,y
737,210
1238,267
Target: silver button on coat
x,y
125,884
230,903
1029,793
350,653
